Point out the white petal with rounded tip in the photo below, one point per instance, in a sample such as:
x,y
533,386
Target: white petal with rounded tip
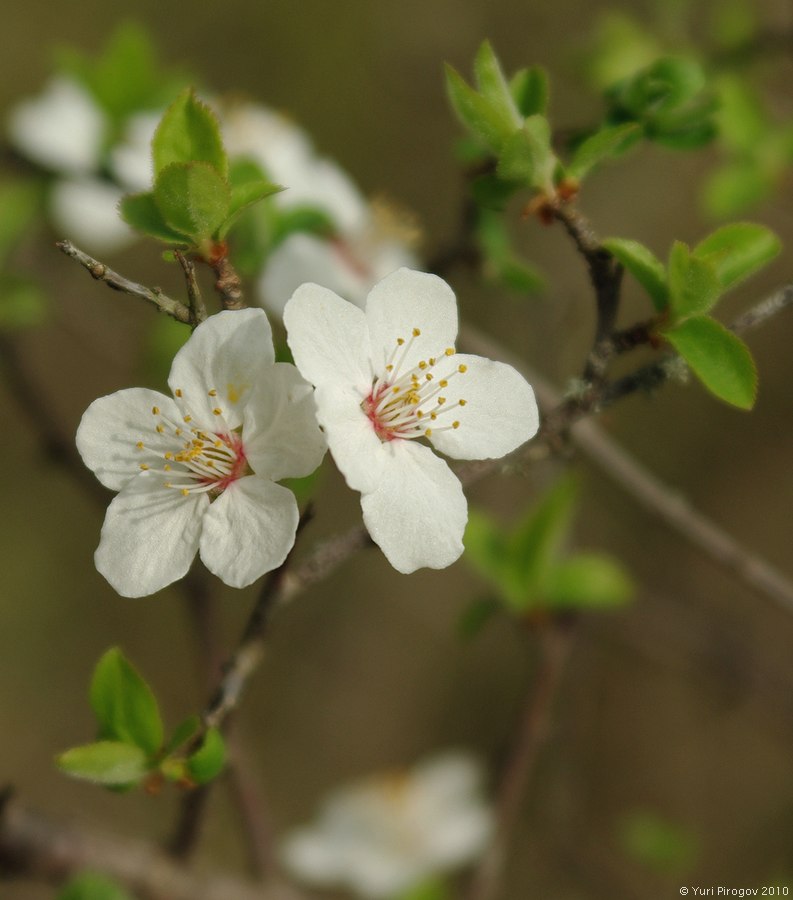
x,y
328,338
358,452
500,412
131,158
149,537
111,428
228,353
417,514
405,300
86,211
282,437
248,530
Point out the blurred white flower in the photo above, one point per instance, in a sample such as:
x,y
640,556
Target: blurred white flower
x,y
382,835
130,159
390,376
198,472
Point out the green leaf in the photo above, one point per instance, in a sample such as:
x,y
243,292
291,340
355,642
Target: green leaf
x,y
493,192
527,156
111,763
530,91
493,86
608,143
210,758
736,187
720,360
645,267
474,111
588,582
741,119
193,199
183,732
141,212
693,283
124,704
486,547
92,886
736,251
188,133
248,186
305,219
500,261
23,303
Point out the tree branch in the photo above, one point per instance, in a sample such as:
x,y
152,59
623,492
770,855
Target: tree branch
x,y
198,310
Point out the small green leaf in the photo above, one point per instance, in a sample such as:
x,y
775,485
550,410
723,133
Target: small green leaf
x,y
124,704
193,199
141,212
736,187
645,267
693,283
248,186
720,360
608,143
486,546
110,763
527,156
188,133
530,91
475,112
588,582
23,303
210,758
493,86
183,732
736,251
306,219
92,886
493,192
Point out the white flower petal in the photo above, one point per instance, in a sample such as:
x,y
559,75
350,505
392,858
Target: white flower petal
x,y
248,530
112,427
149,537
417,514
86,211
228,354
328,338
461,836
131,159
61,129
358,452
328,187
403,301
499,415
282,437
305,257
311,856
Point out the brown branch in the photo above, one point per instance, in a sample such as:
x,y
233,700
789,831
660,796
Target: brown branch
x,y
32,846
117,282
533,732
198,310
228,283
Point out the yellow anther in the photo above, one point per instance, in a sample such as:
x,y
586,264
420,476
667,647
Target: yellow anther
x,y
422,365
177,392
217,411
185,492
169,455
462,402
210,464
167,467
160,429
428,432
449,351
400,341
429,376
433,416
155,410
455,424
432,360
462,368
167,484
213,393
188,419
218,444
416,332
143,467
139,445
389,368
178,432
441,401
419,414
443,382
395,390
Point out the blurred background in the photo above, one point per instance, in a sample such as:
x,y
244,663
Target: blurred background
x,y
670,756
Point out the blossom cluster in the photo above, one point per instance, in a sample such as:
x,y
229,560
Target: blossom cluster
x,y
381,387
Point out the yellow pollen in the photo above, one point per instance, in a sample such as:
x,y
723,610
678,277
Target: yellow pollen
x,y
422,365
143,467
433,416
400,341
218,444
188,418
139,445
177,392
395,390
449,351
210,464
178,432
217,411
419,414
414,398
159,429
213,393
167,467
428,376
416,332
169,455
462,368
455,424
155,410
185,492
443,382
389,368
428,432
432,360
462,402
167,484
441,401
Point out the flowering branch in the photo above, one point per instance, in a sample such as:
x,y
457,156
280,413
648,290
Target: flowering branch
x,y
117,282
195,300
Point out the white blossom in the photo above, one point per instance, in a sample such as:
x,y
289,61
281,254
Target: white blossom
x,y
390,376
384,834
197,472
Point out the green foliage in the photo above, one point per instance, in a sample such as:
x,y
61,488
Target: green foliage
x,y
193,199
92,886
610,142
527,157
737,251
500,260
693,284
434,889
189,132
530,91
660,845
209,760
621,48
248,186
529,569
645,267
142,213
124,704
720,360
109,763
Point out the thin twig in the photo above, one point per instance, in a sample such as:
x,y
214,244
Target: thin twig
x,y
198,310
533,731
117,282
228,283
